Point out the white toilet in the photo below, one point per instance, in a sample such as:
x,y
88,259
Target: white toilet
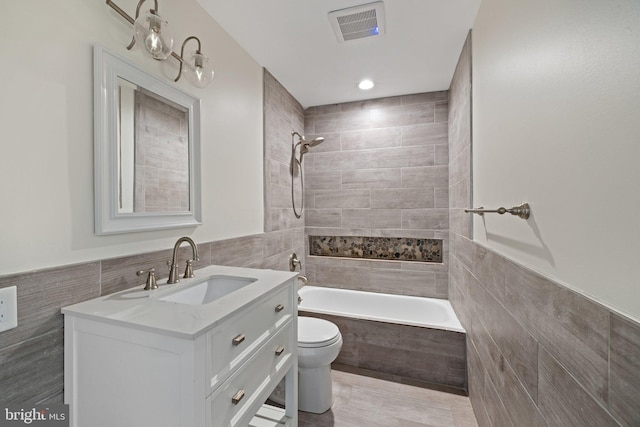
x,y
319,343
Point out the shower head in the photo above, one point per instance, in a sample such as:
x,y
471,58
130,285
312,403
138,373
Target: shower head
x,y
314,141
304,149
304,144
303,141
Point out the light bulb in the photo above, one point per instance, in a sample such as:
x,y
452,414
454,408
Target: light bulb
x,y
153,32
198,70
153,43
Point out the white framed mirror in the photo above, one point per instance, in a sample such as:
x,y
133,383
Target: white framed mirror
x,y
146,150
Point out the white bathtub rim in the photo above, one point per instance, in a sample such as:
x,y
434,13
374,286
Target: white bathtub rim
x,y
453,324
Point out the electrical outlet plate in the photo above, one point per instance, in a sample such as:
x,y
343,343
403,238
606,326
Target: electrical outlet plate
x,y
8,308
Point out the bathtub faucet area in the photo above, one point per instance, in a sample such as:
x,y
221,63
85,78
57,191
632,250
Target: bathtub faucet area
x,y
295,262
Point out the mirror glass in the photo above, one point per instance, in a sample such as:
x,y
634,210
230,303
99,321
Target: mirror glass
x,y
146,146
153,152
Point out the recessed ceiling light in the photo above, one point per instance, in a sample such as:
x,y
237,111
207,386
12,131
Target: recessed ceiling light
x,y
365,84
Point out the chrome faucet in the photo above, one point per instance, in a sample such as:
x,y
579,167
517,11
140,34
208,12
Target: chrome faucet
x,y
173,267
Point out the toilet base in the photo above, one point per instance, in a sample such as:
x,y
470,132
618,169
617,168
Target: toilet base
x,y
315,393
319,343
314,389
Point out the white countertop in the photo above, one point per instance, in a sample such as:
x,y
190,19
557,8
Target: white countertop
x,y
144,310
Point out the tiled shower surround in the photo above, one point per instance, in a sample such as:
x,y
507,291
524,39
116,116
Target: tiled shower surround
x,y
539,354
383,248
381,172
282,115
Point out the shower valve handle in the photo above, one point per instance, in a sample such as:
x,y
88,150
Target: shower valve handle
x,y
294,262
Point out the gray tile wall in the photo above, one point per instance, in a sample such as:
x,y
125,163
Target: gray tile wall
x,y
381,172
32,355
460,144
539,354
407,354
282,114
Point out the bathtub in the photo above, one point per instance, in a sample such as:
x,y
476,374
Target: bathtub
x,y
403,338
399,309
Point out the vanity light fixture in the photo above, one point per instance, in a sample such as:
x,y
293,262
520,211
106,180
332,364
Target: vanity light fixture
x,y
153,31
197,69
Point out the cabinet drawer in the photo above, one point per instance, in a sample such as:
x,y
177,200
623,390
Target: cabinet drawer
x,y
236,401
236,340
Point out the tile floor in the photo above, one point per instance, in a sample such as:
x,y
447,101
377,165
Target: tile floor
x,y
361,401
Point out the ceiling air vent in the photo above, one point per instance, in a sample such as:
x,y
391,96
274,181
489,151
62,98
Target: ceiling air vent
x,y
358,22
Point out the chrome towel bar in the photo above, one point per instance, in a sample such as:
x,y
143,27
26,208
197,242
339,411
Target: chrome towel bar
x,y
523,210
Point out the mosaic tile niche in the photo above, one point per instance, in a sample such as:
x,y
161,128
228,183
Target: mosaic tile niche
x,y
382,248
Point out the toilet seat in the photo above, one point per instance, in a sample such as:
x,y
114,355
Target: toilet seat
x,y
314,333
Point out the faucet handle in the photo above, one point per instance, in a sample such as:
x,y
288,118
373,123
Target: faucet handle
x,y
294,261
151,278
188,272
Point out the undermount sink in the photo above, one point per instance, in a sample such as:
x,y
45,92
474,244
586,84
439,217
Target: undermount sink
x,y
208,290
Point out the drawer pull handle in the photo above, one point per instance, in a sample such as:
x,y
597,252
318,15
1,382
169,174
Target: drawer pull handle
x,y
279,350
237,397
279,308
237,340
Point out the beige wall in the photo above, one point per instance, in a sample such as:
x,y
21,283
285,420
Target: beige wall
x,y
46,117
556,98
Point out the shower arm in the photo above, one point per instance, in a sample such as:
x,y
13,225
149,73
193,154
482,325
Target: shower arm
x,y
295,145
293,155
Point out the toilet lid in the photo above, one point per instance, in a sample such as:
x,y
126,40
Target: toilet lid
x,y
314,332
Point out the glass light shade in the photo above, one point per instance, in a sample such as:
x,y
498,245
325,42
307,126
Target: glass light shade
x,y
197,70
154,33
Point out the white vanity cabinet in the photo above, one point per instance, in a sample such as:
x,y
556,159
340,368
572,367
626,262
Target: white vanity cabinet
x,y
134,360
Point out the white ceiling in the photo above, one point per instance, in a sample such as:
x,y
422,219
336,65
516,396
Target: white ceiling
x,y
294,40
